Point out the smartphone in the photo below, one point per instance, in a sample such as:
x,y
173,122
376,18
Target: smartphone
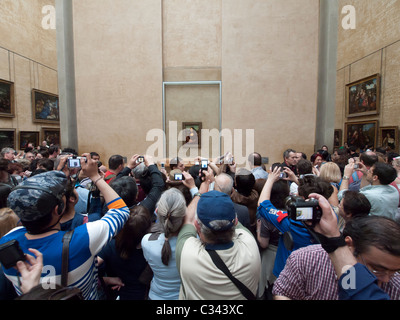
x,y
204,165
10,254
74,162
162,165
179,177
283,174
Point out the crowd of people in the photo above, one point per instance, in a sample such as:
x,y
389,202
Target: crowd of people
x,y
139,231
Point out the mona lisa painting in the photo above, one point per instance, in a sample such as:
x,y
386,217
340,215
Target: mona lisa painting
x,y
192,134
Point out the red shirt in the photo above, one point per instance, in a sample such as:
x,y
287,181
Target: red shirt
x,y
109,176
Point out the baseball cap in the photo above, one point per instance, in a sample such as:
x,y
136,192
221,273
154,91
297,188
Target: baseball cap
x,y
23,199
213,206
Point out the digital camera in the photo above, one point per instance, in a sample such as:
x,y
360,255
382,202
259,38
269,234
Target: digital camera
x,y
140,159
75,162
299,209
10,254
179,177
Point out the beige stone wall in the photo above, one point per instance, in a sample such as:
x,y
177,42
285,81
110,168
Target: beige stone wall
x,y
118,70
264,52
373,47
270,71
27,58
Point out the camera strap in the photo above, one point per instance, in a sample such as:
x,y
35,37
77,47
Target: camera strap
x,y
222,266
330,244
312,232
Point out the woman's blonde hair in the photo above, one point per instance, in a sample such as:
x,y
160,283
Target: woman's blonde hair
x,y
330,172
8,221
171,210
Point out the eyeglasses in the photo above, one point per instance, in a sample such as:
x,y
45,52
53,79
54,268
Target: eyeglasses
x,y
380,273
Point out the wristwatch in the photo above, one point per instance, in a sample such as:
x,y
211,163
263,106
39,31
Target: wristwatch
x,y
197,194
346,178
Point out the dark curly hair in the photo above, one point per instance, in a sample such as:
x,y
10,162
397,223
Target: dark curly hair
x,y
313,184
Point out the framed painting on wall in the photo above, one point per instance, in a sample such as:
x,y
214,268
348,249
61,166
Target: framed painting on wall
x,y
26,137
337,138
7,109
363,134
45,107
363,97
389,138
51,136
192,134
7,138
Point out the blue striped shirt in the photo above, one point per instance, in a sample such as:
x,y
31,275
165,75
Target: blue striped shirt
x,y
87,241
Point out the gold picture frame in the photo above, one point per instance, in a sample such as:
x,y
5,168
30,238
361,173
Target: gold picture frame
x,y
7,105
45,107
363,97
362,134
389,138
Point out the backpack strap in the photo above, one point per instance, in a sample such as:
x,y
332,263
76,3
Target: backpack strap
x,y
154,236
65,255
222,266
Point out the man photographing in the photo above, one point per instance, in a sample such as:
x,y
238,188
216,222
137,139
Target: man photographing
x,y
361,264
211,216
40,203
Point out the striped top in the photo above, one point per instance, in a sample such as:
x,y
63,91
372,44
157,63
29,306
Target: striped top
x,y
87,241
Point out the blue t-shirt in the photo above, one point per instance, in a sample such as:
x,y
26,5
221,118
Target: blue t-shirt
x,y
280,219
166,281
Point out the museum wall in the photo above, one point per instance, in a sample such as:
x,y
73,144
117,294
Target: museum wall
x,y
270,72
118,72
27,58
373,47
126,49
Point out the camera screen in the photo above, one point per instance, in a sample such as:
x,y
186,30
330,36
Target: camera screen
x,y
178,177
74,163
304,214
204,164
